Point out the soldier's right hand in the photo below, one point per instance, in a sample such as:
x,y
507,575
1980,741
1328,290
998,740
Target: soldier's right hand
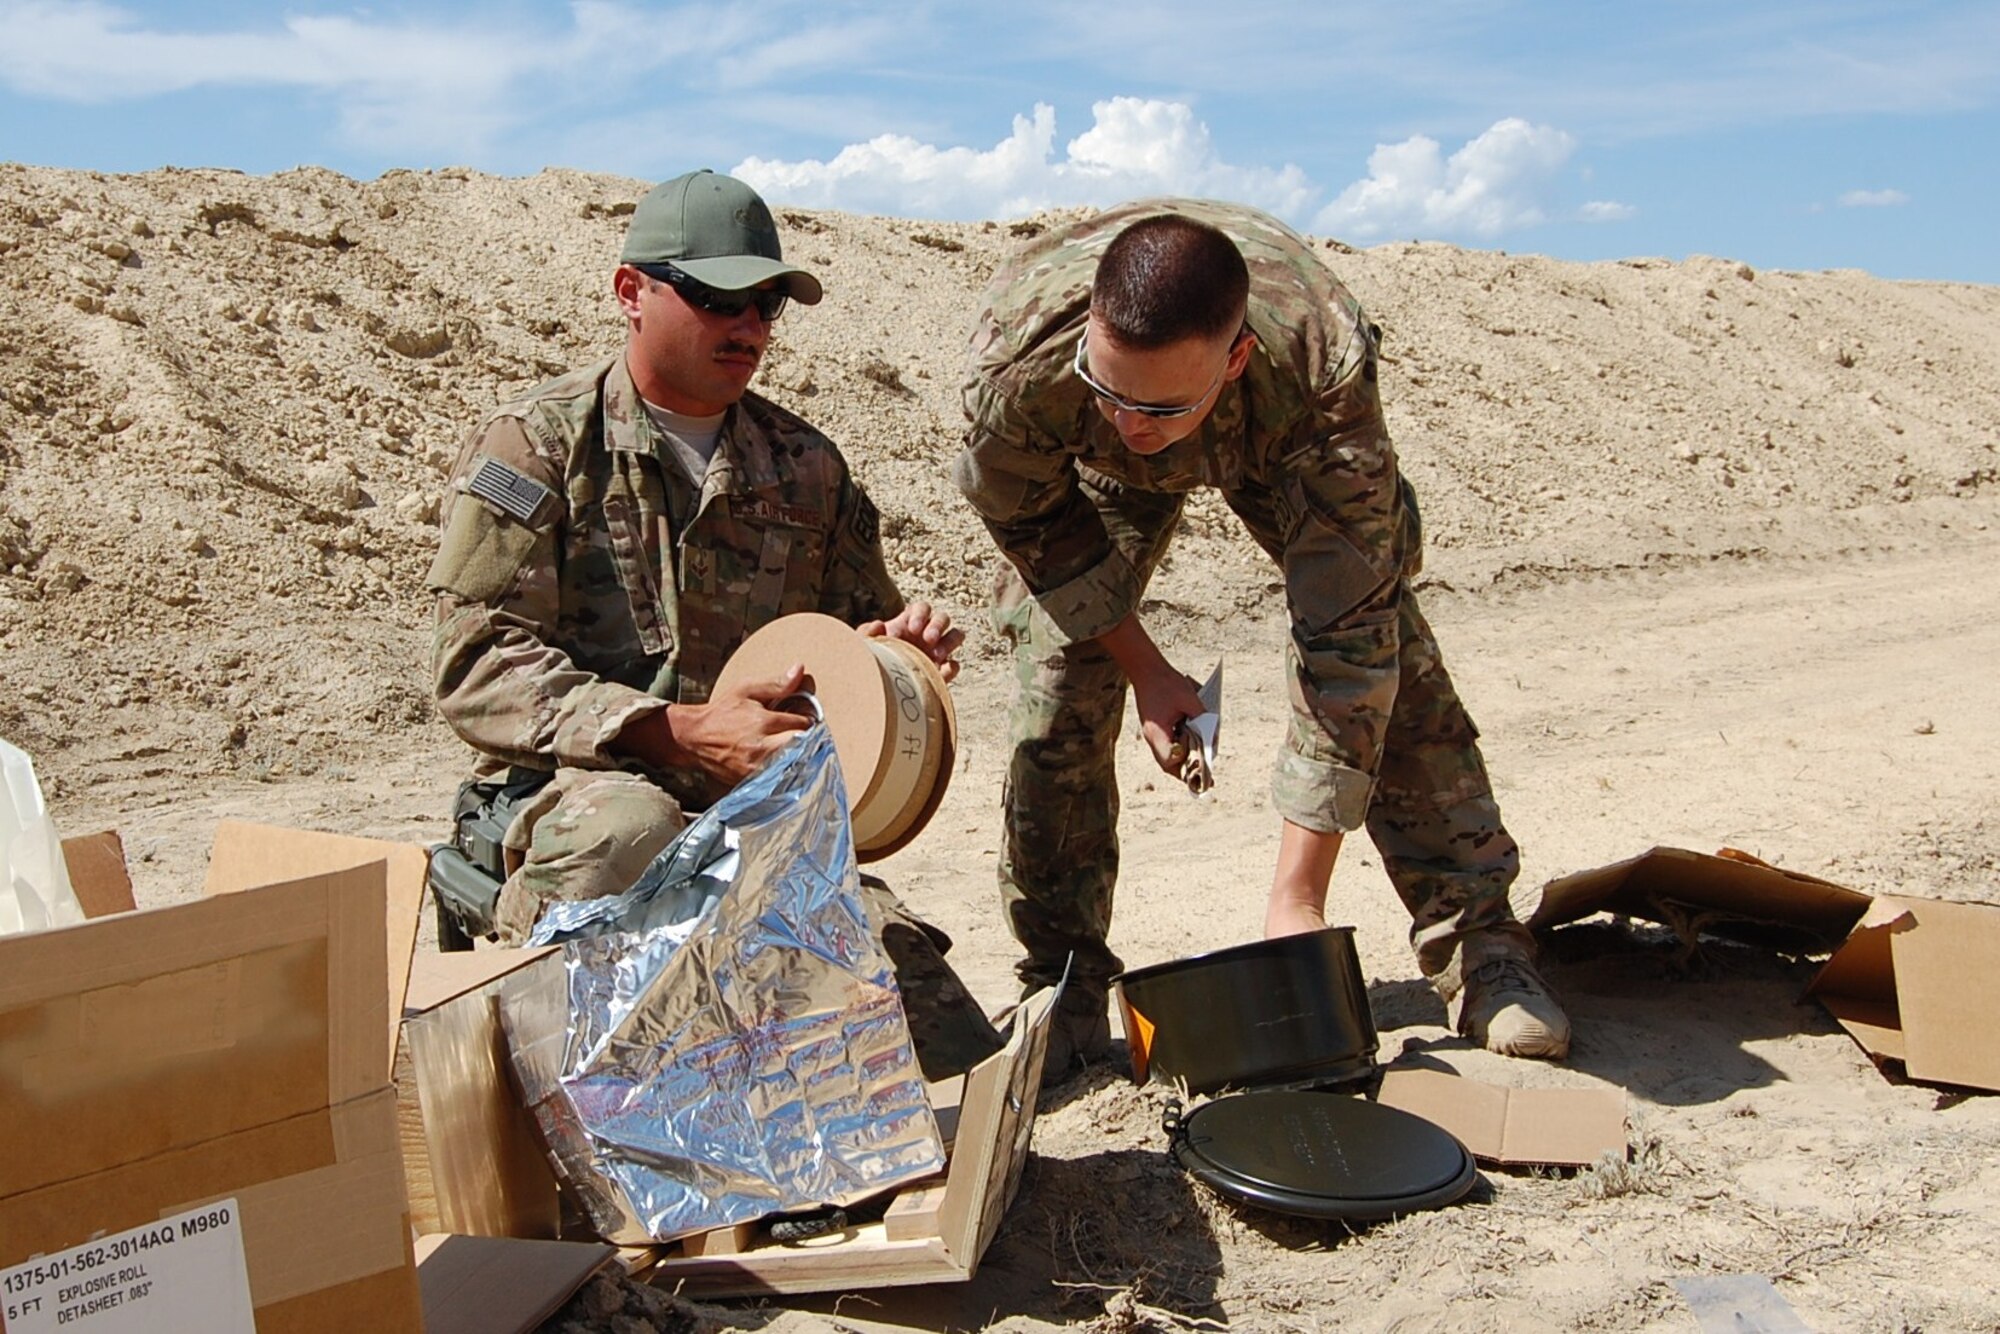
x,y
1163,695
1164,701
730,737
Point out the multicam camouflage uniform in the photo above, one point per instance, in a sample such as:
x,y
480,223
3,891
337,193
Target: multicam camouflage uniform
x,y
582,584
1299,450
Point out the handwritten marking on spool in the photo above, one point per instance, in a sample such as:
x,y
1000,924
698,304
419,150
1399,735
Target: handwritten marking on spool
x,y
885,809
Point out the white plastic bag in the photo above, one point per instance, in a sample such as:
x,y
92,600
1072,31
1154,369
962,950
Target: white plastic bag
x,y
34,880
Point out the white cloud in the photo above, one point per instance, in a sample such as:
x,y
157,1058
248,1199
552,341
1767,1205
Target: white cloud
x,y
1497,182
1606,210
409,87
1873,199
1135,146
92,52
417,87
649,86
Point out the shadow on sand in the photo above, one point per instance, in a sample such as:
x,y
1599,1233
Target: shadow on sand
x,y
1081,1231
1672,1027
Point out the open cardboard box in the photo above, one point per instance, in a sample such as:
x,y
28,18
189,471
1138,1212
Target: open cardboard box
x,y
1914,981
155,1063
477,1166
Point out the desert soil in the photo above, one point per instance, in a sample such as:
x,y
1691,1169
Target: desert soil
x,y
1711,555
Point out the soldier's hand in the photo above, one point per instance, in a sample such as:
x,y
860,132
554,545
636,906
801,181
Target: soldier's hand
x,y
1164,701
928,627
730,737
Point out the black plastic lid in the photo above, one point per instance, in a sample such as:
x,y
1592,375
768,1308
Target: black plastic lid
x,y
1324,1155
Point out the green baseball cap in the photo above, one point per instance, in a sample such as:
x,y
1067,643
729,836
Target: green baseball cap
x,y
717,230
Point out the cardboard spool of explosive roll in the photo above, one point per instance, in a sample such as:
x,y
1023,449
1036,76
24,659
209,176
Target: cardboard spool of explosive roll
x,y
888,709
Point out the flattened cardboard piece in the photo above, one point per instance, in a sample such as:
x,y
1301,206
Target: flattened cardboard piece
x,y
97,873
472,1155
116,1035
1513,1127
247,854
1948,990
945,1096
936,1238
1918,981
501,1285
1731,894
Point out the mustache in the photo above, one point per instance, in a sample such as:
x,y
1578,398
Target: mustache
x,y
737,347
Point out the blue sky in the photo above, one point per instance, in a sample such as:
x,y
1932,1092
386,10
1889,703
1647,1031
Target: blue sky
x,y
1785,134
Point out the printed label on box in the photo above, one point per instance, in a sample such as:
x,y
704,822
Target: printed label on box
x,y
178,1276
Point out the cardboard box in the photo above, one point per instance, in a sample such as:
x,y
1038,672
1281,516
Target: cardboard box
x,y
472,1154
1731,894
247,855
230,1048
1918,982
97,873
1915,981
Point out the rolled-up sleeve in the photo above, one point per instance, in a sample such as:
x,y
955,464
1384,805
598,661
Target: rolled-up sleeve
x,y
1025,488
496,676
1344,555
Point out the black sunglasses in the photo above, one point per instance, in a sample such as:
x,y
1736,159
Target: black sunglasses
x,y
770,302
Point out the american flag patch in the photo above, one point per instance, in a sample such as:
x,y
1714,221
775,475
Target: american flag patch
x,y
510,491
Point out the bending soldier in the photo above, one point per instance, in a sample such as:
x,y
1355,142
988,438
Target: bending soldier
x,y
1119,364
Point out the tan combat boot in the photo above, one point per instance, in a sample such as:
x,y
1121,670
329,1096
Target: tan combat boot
x,y
1506,1007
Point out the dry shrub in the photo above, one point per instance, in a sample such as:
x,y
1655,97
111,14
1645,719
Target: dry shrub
x,y
1641,1172
1125,1313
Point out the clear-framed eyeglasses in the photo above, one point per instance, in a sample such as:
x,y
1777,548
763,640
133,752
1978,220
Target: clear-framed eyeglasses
x,y
1158,412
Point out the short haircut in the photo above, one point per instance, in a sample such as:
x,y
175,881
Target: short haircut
x,y
1167,278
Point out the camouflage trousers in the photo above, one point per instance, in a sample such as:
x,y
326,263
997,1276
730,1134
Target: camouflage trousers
x,y
590,833
1431,814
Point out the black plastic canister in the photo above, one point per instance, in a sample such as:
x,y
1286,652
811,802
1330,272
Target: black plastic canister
x,y
1285,1011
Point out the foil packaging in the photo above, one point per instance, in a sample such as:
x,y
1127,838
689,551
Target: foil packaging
x,y
725,1040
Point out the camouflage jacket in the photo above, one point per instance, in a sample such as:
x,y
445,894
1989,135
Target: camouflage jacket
x,y
1297,446
567,604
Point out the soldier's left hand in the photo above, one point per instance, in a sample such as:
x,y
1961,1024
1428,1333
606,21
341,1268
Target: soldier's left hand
x,y
928,627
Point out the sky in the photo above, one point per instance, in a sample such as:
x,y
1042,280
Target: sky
x,y
1830,134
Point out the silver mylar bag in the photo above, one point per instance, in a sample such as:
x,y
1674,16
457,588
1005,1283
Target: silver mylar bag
x,y
725,1040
